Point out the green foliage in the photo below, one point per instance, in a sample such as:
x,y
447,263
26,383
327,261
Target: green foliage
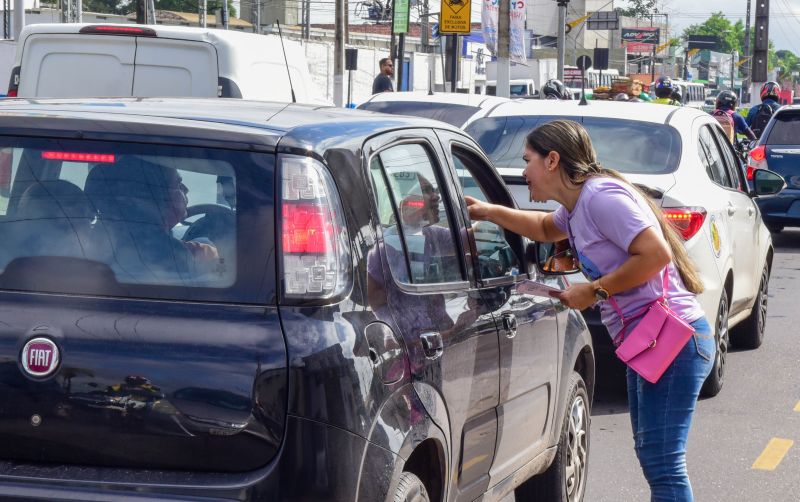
x,y
639,8
129,6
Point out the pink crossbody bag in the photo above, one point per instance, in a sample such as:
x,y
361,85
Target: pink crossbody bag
x,y
655,342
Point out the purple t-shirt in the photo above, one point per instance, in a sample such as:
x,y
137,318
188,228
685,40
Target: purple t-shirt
x,y
608,216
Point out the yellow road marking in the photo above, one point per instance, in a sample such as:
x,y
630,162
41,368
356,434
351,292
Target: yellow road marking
x,y
797,406
772,455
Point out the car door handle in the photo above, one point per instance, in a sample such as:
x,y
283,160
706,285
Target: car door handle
x,y
432,344
510,324
750,211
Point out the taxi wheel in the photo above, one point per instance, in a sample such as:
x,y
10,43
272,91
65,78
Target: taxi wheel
x,y
565,479
750,333
410,489
716,378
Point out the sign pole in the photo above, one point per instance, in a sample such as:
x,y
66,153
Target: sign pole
x,y
454,18
400,19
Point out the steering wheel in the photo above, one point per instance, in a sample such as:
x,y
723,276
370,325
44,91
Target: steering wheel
x,y
218,222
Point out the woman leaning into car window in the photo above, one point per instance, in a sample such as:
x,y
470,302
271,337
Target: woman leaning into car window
x,y
623,244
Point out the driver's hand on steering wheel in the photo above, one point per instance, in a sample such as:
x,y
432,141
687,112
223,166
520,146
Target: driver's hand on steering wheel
x,y
202,251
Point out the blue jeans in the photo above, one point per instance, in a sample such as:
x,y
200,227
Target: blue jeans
x,y
661,415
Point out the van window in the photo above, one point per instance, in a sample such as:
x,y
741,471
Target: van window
x,y
786,130
132,218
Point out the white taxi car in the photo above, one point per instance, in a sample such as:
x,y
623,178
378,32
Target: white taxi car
x,y
681,158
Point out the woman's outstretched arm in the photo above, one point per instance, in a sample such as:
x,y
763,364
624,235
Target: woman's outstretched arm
x,y
535,225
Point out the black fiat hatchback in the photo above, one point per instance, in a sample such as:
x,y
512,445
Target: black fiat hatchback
x,y
227,300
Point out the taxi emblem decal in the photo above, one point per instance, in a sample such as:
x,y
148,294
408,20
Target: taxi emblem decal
x,y
40,357
716,240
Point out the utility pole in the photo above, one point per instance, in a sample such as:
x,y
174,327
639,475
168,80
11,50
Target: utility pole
x,y
503,88
6,19
224,14
19,17
151,11
141,11
425,27
257,16
203,13
746,76
562,36
338,56
78,11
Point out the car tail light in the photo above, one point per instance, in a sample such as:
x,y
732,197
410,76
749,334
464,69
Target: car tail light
x,y
686,220
757,159
314,246
13,84
104,158
110,29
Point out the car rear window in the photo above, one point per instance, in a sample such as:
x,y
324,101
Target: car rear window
x,y
128,220
628,146
453,114
786,130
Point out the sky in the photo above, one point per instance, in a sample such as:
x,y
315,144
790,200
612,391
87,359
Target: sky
x,y
784,15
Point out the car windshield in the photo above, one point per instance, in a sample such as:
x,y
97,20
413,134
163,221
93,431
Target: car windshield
x,y
786,130
628,146
452,113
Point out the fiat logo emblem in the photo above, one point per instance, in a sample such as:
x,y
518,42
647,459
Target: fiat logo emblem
x,y
40,357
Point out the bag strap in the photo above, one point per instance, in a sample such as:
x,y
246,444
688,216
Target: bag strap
x,y
615,305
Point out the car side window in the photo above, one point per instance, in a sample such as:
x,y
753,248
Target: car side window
x,y
418,234
731,164
496,258
712,159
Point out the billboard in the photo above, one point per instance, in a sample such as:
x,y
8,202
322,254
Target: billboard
x,y
645,35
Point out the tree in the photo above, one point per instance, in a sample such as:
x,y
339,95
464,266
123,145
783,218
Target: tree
x,y
639,8
718,26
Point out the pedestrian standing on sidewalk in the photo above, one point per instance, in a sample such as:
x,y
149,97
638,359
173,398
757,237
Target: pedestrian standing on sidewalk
x,y
624,245
383,82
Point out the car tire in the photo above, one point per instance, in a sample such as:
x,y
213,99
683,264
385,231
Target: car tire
x,y
410,489
565,479
716,378
774,228
750,333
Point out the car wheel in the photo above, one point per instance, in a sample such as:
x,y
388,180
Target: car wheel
x,y
565,479
775,229
410,489
750,333
716,378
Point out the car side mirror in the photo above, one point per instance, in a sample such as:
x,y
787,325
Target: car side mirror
x,y
766,182
552,258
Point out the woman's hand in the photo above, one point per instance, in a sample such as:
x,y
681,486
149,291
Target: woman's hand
x,y
478,210
577,296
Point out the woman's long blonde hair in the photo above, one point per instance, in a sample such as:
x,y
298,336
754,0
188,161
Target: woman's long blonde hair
x,y
579,163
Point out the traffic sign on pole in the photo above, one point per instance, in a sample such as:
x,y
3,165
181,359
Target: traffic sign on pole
x,y
456,16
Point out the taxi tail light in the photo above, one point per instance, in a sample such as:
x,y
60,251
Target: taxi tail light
x,y
756,159
314,246
13,84
686,220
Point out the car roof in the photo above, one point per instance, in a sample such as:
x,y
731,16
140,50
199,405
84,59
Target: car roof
x,y
210,35
455,98
259,122
642,112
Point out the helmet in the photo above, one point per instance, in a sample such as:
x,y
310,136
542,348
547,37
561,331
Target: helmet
x,y
664,87
726,100
770,90
554,89
621,97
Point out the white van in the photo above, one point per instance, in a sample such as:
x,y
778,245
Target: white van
x,y
116,60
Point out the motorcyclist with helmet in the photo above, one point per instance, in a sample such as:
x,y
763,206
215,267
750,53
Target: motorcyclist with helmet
x,y
555,89
732,122
665,89
758,116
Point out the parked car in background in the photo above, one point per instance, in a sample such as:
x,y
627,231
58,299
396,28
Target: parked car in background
x,y
94,60
681,158
778,150
453,108
206,298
